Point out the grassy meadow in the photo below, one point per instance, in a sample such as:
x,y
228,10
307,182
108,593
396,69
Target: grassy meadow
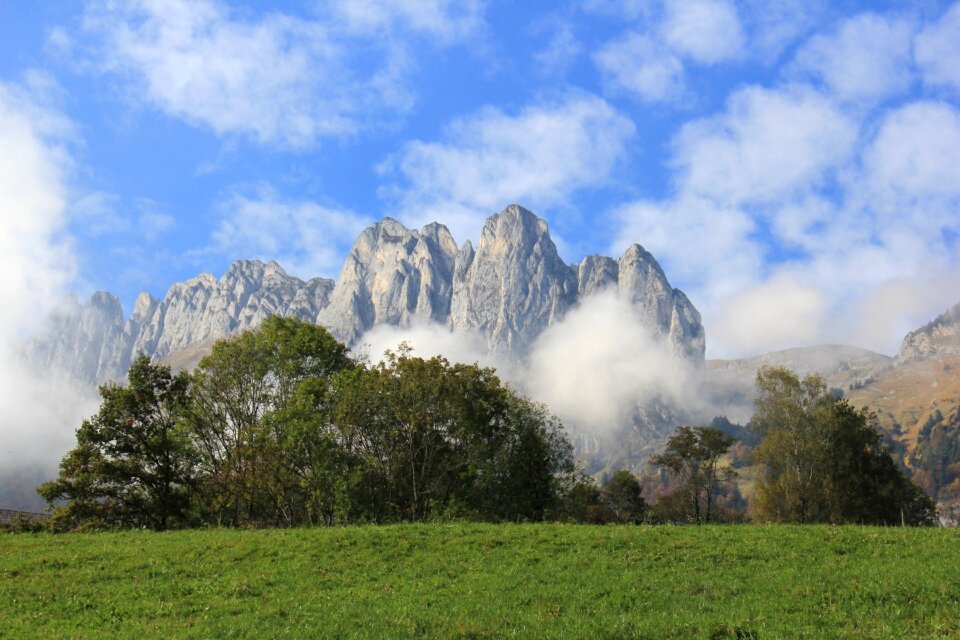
x,y
480,581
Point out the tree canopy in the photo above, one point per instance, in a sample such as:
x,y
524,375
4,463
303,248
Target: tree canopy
x,y
133,463
824,461
693,455
280,427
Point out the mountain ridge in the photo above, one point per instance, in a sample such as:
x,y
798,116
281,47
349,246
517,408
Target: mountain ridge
x,y
505,291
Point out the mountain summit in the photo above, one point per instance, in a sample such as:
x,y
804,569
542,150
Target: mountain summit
x,y
505,292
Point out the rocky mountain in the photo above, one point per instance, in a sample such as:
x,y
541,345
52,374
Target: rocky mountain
x,y
392,275
505,292
941,336
93,342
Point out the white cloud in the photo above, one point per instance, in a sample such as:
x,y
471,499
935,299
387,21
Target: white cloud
x,y
561,50
38,412
700,243
36,258
774,25
446,20
778,313
867,58
769,144
641,65
95,213
707,31
915,157
627,9
598,363
592,368
152,222
937,50
795,219
428,339
539,157
277,79
307,239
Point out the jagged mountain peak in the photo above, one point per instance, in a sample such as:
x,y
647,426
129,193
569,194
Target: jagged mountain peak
x,y
105,300
515,284
518,224
505,290
392,275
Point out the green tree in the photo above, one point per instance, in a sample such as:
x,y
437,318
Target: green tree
x,y
132,466
824,461
433,438
693,456
258,419
621,494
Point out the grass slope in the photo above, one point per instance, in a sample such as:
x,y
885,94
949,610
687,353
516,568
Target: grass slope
x,y
478,581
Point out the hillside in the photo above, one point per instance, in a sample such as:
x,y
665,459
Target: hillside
x,y
479,581
905,396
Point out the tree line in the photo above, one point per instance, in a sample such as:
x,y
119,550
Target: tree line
x,y
282,427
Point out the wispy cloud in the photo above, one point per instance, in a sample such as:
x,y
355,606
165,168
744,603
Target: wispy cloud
x,y
866,58
307,239
277,79
937,50
539,156
649,60
643,66
799,211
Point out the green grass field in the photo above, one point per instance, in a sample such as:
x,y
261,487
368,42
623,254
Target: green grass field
x,y
479,581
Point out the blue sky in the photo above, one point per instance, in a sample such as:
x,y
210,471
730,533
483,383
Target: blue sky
x,y
795,166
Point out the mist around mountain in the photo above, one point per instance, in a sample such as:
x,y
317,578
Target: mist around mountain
x,y
606,343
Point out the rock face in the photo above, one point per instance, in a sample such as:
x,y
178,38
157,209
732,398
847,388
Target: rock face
x,y
514,285
505,292
940,337
83,341
392,275
94,344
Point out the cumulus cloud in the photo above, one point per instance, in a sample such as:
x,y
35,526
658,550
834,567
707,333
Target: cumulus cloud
x,y
797,218
639,64
277,79
706,31
915,159
539,156
937,50
446,20
306,238
868,57
37,413
767,145
649,59
772,26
